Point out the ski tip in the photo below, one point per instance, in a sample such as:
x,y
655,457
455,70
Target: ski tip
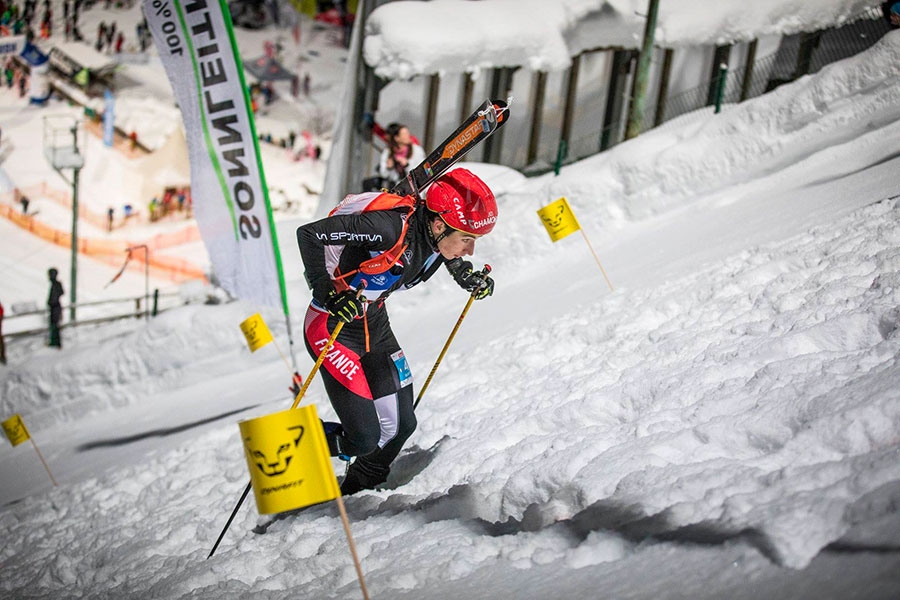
x,y
501,107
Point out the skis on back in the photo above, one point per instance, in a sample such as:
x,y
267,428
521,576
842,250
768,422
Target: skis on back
x,y
486,119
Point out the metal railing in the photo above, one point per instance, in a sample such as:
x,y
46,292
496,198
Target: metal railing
x,y
798,55
141,310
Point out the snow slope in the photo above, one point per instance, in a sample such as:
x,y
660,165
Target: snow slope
x,y
722,424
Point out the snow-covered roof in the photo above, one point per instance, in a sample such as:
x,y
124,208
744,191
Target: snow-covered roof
x,y
409,38
85,56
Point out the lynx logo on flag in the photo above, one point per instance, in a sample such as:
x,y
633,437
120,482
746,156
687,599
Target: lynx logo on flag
x,y
257,332
15,430
558,219
288,459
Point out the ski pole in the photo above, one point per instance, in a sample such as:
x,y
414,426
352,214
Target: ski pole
x,y
484,273
312,373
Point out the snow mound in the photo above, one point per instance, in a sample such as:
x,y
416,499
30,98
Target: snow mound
x,y
118,364
749,400
854,103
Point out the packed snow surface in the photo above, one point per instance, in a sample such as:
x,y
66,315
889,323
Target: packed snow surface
x,y
724,414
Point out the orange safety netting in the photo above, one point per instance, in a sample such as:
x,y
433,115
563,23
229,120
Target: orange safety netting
x,y
163,240
112,251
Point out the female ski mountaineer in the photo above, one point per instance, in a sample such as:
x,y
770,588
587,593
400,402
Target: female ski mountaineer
x,y
386,243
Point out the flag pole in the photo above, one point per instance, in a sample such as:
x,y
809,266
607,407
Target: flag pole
x,y
596,258
283,357
346,521
328,344
309,378
44,462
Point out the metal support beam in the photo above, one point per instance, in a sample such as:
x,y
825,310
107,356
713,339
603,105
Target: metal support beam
x,y
539,90
747,80
808,44
569,108
359,149
501,83
636,110
663,95
615,98
722,54
434,88
465,100
73,267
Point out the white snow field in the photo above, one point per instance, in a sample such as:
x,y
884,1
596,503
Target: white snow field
x,y
725,423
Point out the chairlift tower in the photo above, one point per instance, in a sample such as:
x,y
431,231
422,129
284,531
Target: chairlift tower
x,y
64,144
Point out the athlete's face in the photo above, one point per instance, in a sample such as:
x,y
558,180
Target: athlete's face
x,y
455,245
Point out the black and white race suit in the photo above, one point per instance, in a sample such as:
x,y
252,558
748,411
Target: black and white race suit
x,y
365,373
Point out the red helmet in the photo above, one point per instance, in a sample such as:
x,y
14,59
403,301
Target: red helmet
x,y
463,201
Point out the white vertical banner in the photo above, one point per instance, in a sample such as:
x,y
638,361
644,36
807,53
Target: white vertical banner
x,y
196,44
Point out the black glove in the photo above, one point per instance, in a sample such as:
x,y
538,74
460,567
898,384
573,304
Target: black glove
x,y
344,305
477,284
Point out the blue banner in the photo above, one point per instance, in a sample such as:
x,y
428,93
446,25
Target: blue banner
x,y
33,55
109,118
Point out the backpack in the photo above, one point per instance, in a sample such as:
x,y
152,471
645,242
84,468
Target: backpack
x,y
355,204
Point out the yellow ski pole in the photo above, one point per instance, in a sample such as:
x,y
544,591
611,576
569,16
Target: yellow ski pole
x,y
484,274
312,373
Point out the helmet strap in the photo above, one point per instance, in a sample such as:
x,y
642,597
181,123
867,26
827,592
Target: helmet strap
x,y
438,237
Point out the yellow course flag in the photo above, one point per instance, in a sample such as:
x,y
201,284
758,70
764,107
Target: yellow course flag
x,y
289,462
558,219
15,430
307,7
257,332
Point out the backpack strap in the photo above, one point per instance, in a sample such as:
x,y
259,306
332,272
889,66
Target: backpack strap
x,y
387,259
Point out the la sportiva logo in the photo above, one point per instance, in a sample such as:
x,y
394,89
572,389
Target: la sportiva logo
x,y
349,236
275,458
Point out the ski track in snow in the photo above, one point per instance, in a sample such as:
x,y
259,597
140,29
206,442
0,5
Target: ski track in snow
x,y
751,404
745,400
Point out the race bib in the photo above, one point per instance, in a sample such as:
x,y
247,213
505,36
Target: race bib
x,y
402,368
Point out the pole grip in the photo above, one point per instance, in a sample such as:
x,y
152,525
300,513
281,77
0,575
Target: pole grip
x,y
321,359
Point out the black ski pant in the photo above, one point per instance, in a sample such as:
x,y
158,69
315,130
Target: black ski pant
x,y
370,388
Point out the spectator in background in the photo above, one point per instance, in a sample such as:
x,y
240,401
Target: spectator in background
x,y
8,72
2,343
891,12
24,201
101,36
110,37
402,153
110,214
56,292
46,20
